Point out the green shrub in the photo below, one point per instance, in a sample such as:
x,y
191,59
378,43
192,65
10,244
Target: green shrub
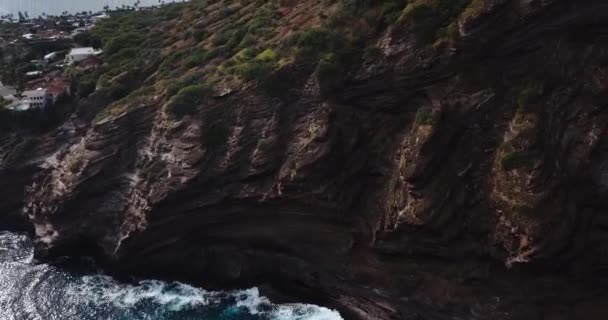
x,y
424,116
424,23
350,10
527,100
199,34
254,70
426,20
119,91
122,41
313,40
267,55
86,84
195,59
217,134
187,99
372,53
174,88
473,8
515,159
329,69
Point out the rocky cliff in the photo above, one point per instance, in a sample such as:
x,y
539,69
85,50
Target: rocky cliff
x,y
465,176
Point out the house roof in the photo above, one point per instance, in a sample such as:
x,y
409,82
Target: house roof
x,y
85,50
90,62
55,90
54,74
36,93
60,83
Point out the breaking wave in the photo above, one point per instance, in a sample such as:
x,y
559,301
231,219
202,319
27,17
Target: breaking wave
x,y
42,292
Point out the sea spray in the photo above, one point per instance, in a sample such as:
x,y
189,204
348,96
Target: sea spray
x,y
42,292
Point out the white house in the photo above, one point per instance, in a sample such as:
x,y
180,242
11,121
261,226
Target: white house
x,y
79,54
36,98
100,17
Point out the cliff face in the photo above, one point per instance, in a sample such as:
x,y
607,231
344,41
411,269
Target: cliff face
x,y
468,178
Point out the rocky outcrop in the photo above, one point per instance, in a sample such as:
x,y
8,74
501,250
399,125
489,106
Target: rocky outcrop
x,y
467,180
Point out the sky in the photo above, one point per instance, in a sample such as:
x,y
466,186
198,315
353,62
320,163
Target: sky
x,y
54,7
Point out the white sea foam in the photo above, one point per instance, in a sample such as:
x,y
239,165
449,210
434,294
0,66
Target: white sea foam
x,y
43,289
173,296
304,312
251,300
178,296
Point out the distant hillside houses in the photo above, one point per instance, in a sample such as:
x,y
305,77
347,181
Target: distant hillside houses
x,y
42,80
52,88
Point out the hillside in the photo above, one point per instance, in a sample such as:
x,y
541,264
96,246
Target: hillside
x,y
422,159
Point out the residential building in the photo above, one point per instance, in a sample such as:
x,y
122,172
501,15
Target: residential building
x,y
36,98
79,54
58,89
53,75
90,63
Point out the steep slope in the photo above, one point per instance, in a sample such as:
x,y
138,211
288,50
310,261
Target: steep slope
x,y
422,160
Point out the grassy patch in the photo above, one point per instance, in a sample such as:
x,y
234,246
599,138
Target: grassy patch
x,y
152,169
474,8
424,116
428,19
512,159
186,100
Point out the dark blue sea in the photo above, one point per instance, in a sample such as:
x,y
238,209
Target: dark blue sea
x,y
35,291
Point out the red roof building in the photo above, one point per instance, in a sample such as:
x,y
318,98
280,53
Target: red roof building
x,y
90,63
53,75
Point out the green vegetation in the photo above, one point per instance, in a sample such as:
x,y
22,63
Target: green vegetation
x,y
349,10
424,116
217,134
86,82
513,159
527,100
372,53
334,52
427,19
197,58
186,100
199,34
475,7
152,169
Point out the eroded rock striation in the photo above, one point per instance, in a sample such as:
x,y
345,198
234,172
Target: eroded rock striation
x,y
464,179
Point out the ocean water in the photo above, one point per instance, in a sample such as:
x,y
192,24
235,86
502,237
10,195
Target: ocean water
x,y
35,8
35,291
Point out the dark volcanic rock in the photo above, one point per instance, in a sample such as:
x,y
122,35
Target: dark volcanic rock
x,y
464,182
